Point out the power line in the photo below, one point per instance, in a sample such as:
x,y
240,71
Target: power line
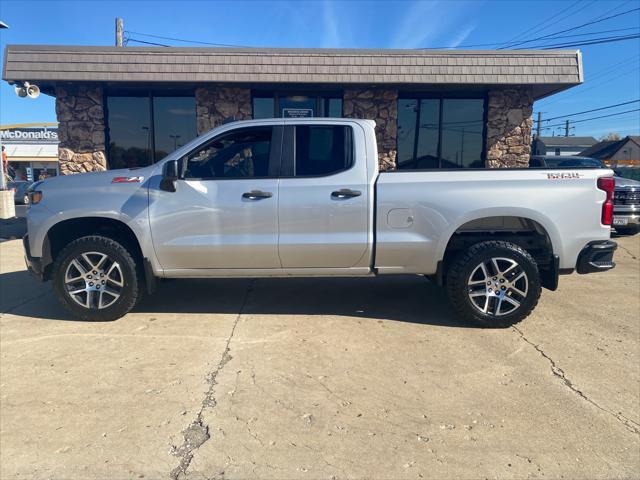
x,y
533,29
129,39
592,22
185,40
593,118
592,86
540,30
593,41
564,36
589,111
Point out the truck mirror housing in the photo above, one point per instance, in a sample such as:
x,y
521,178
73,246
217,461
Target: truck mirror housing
x,y
170,174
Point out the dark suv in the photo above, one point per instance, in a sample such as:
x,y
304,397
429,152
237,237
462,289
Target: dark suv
x,y
626,206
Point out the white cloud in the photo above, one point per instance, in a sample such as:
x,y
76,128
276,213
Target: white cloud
x,y
462,36
330,34
428,24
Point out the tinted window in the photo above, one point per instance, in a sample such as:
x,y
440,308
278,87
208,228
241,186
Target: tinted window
x,y
174,123
296,105
242,153
136,139
263,107
129,132
407,117
322,149
462,127
427,151
332,107
440,133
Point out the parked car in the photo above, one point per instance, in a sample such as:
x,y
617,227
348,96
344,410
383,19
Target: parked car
x,y
626,200
626,206
304,197
556,161
20,191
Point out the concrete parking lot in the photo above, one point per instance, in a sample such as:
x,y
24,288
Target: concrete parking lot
x,y
321,379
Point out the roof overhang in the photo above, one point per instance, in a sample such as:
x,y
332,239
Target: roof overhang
x,y
544,71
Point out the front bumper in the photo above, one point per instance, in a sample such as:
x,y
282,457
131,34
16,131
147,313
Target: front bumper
x,y
34,264
597,256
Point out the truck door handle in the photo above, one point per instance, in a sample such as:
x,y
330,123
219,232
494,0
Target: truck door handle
x,y
345,193
256,195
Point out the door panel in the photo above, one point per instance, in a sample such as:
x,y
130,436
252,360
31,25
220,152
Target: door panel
x,y
321,223
224,216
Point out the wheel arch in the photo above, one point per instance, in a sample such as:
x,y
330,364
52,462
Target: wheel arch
x,y
529,229
67,230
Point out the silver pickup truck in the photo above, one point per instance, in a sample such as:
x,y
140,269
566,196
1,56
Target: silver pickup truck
x,y
304,197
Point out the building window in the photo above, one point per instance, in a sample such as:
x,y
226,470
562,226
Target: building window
x,y
144,129
557,151
276,105
440,133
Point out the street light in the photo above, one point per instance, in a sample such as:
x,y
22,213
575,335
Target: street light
x,y
175,140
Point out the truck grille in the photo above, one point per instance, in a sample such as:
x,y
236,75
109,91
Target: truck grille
x,y
622,197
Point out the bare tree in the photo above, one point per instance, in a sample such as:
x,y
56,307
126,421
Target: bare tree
x,y
609,137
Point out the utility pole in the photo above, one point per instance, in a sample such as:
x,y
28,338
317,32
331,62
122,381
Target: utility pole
x,y
566,128
119,30
539,123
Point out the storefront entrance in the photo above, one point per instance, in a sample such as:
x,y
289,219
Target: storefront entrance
x,y
296,105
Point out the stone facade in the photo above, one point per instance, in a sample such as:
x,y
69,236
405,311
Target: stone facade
x,y
381,106
81,129
509,126
80,112
214,105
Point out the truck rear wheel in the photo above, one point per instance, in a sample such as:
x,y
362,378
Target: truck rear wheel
x,y
494,284
96,279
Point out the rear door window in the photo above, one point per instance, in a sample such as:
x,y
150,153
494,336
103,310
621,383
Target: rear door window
x,y
321,150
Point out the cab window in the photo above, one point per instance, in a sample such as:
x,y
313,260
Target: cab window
x,y
242,153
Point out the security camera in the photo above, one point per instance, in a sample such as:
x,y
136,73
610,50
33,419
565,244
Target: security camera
x,y
25,89
20,90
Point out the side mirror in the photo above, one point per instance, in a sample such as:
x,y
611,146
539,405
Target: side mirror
x,y
170,174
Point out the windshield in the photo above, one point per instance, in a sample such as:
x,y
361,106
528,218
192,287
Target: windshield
x,y
573,162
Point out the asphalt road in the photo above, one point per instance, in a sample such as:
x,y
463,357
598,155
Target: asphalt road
x,y
321,379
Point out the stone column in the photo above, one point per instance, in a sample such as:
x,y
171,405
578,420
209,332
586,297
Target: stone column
x,y
381,106
81,128
214,105
509,128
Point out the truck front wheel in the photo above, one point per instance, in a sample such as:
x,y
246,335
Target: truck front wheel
x,y
494,284
96,279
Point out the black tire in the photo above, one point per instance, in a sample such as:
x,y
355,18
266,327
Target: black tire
x,y
467,263
627,230
128,273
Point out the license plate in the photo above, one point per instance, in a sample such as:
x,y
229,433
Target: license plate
x,y
619,221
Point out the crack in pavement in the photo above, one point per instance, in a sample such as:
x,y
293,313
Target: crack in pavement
x,y
628,251
197,433
629,424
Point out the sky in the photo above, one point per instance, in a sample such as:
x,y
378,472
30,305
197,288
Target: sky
x,y
611,70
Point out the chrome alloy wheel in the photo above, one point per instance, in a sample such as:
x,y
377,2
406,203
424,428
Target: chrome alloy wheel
x,y
498,286
94,280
